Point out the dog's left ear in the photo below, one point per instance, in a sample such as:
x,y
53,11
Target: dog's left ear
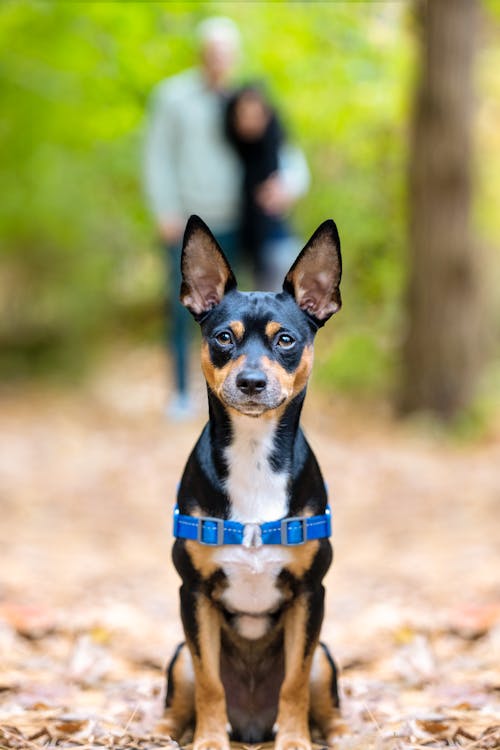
x,y
206,273
314,279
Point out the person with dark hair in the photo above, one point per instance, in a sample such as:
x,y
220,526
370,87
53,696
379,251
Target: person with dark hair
x,y
257,135
191,168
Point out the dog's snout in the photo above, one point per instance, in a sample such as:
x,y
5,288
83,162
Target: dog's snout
x,y
251,381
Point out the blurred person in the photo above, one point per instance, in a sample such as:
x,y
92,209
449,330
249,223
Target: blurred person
x,y
190,167
258,137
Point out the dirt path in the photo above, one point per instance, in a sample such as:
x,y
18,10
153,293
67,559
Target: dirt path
x,y
88,596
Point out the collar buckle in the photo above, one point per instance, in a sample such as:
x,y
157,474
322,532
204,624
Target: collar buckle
x,y
286,527
203,531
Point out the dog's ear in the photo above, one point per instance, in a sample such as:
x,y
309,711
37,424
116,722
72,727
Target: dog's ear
x,y
206,274
314,279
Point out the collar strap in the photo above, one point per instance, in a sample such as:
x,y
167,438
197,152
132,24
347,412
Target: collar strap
x,y
286,531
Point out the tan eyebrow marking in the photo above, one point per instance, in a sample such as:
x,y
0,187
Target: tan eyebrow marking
x,y
272,329
237,328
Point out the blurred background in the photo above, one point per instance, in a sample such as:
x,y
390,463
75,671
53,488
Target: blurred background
x,y
396,107
80,265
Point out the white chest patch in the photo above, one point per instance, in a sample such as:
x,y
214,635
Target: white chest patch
x,y
251,577
258,494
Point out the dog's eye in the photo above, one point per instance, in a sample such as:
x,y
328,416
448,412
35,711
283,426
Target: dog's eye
x,y
224,338
285,341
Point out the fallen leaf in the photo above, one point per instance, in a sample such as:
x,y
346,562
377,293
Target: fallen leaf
x,y
29,620
89,661
71,726
415,662
100,635
461,732
475,620
433,726
404,634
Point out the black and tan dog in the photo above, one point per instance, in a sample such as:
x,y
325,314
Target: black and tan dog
x,y
252,521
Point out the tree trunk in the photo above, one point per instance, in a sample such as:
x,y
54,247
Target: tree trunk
x,y
441,351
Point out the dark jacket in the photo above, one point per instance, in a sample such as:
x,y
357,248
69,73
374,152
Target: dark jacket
x,y
260,161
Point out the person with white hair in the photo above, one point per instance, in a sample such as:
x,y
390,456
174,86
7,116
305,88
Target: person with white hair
x,y
190,167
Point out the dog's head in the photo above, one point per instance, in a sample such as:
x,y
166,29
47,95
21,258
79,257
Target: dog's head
x,y
257,348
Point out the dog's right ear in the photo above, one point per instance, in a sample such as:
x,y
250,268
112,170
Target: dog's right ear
x,y
206,273
314,279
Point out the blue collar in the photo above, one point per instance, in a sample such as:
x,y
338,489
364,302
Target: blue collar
x,y
287,531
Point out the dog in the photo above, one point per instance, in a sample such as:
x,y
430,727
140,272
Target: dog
x,y
252,520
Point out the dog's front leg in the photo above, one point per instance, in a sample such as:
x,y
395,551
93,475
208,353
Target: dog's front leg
x,y
302,627
202,626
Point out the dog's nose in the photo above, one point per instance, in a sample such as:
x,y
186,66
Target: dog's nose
x,y
251,381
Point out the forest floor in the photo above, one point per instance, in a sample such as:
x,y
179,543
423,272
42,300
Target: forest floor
x,y
88,595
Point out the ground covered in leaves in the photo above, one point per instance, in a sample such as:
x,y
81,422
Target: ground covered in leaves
x,y
88,596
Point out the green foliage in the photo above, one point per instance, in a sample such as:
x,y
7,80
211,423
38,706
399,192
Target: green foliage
x,y
356,363
78,247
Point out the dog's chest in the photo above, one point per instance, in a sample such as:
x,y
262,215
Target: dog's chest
x,y
258,494
251,576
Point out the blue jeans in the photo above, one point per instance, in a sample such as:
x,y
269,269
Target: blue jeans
x,y
274,261
179,323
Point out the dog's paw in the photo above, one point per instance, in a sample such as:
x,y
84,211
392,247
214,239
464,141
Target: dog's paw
x,y
336,729
168,727
286,741
211,742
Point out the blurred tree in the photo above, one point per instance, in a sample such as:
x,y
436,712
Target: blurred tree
x,y
441,352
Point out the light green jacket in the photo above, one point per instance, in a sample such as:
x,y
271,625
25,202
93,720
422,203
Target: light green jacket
x,y
189,167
